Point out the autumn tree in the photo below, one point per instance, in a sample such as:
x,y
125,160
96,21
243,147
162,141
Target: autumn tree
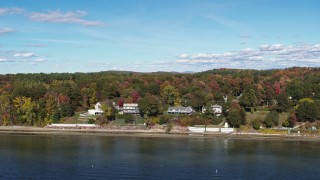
x,y
5,109
51,106
108,111
170,95
25,109
291,120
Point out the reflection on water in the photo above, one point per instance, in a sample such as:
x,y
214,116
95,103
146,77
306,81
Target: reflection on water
x,y
105,157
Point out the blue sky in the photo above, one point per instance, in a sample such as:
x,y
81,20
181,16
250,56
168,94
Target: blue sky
x,y
157,35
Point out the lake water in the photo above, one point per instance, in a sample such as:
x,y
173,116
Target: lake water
x,y
114,157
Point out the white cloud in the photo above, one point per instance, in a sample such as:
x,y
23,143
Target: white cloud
x,y
27,54
35,45
56,16
6,30
274,47
40,60
64,17
265,57
10,11
4,60
16,57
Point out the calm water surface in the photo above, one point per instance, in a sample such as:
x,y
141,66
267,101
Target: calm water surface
x,y
111,157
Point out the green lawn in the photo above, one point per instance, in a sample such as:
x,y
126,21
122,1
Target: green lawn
x,y
262,114
119,122
139,120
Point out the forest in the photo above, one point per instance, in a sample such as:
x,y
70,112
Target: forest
x,y
39,99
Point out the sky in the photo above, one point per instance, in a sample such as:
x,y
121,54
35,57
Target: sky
x,y
157,35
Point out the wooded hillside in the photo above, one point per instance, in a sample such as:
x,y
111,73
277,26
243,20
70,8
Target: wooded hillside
x,y
38,99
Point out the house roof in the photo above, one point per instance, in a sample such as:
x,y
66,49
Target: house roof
x,y
130,104
179,108
216,106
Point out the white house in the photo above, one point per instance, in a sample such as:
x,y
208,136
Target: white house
x,y
180,110
130,108
97,110
216,109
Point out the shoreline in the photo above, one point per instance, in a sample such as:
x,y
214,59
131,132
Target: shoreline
x,y
25,130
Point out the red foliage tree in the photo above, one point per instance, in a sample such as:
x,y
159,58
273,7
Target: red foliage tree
x,y
120,102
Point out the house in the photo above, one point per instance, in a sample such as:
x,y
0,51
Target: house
x,y
216,109
130,108
180,110
97,110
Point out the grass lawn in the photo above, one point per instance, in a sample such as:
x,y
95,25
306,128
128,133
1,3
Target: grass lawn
x,y
77,119
262,114
119,122
139,120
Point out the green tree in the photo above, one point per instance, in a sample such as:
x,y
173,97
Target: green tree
x,y
248,99
256,124
307,111
236,119
236,115
208,113
283,103
150,105
112,90
66,110
272,119
295,90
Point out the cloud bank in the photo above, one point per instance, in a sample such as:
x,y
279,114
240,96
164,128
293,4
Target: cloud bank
x,y
264,57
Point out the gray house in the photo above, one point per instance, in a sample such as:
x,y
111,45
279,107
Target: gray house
x,y
180,110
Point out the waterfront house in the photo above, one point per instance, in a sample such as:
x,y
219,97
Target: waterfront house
x,y
180,110
130,108
97,110
216,109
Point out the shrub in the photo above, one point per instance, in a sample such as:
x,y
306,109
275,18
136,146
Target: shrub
x,y
91,121
163,120
256,124
128,118
186,121
169,128
155,120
